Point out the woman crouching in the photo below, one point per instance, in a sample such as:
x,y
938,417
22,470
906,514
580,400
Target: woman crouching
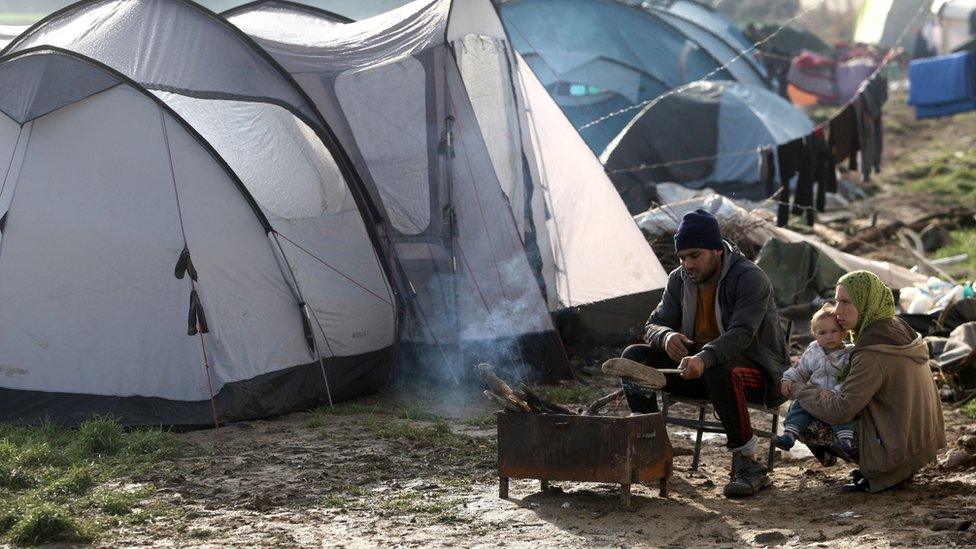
x,y
889,386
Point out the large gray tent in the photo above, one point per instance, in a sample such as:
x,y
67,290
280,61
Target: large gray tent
x,y
291,279
440,117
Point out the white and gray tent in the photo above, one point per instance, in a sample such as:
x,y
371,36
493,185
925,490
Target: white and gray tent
x,y
146,135
433,90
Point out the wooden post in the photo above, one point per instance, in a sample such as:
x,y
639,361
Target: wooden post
x,y
503,487
625,496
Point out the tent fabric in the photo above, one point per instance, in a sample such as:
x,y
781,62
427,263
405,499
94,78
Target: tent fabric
x,y
951,25
87,255
599,57
9,32
271,9
608,272
665,220
706,134
943,85
34,85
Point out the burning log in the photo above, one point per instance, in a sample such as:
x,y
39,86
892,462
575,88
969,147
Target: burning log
x,y
512,404
594,409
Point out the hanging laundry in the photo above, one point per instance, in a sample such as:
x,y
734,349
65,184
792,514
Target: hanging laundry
x,y
803,198
944,85
844,141
789,156
867,108
767,169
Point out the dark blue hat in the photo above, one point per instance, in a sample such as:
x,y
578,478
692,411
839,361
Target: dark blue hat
x,y
698,229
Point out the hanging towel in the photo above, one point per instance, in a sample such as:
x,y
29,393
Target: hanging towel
x,y
944,85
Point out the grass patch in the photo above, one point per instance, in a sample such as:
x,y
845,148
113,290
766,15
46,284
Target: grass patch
x,y
963,241
951,175
48,474
969,409
45,523
568,393
440,511
489,420
417,413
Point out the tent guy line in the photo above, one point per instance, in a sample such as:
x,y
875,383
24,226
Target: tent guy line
x,y
715,71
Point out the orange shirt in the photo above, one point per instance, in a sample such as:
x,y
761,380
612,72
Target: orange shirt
x,y
706,326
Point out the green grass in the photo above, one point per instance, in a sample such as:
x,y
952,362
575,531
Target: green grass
x,y
489,420
969,409
951,175
963,241
437,510
50,478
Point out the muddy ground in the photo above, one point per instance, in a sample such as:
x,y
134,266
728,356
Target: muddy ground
x,y
415,467
362,476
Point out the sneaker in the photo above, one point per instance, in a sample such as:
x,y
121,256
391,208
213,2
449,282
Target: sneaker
x,y
640,373
748,478
784,442
843,449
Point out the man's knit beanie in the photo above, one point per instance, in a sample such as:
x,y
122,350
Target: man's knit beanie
x,y
698,229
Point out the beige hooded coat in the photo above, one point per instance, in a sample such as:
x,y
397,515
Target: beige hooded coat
x,y
890,385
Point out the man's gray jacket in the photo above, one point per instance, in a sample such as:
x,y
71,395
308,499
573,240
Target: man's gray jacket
x,y
748,323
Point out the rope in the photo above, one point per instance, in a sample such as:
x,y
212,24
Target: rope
x,y
193,287
337,271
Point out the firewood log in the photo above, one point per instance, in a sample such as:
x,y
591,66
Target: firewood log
x,y
503,402
494,383
536,401
595,408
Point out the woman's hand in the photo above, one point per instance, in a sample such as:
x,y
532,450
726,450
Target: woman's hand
x,y
786,388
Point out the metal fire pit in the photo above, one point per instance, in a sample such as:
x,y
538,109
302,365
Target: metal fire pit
x,y
624,450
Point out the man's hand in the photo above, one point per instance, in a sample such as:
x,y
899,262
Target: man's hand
x,y
676,345
692,367
786,388
826,393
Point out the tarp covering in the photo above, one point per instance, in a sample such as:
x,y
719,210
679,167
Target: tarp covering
x,y
596,57
799,271
943,85
665,220
704,134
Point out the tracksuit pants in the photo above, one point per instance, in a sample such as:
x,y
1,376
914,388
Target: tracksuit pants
x,y
728,386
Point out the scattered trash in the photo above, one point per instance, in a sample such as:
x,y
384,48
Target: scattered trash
x,y
844,515
566,505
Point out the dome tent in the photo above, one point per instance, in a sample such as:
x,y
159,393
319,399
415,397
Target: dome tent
x,y
265,11
597,57
511,179
705,134
318,223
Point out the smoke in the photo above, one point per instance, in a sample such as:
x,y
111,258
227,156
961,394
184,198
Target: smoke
x,y
483,313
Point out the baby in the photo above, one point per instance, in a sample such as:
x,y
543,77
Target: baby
x,y
825,360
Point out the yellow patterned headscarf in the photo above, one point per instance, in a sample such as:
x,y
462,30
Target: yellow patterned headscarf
x,y
870,296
